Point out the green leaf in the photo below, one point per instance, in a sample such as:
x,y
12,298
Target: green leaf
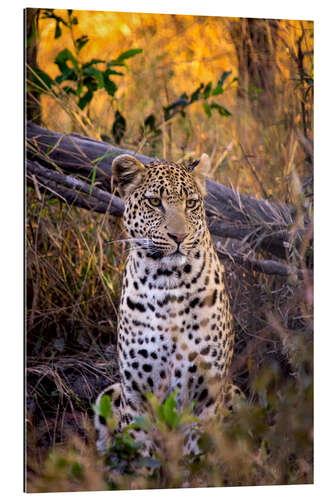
x,y
49,14
207,90
120,61
150,122
119,127
223,77
68,90
80,42
109,85
95,74
127,54
179,103
92,181
92,63
91,82
116,63
207,109
221,109
107,155
68,74
196,94
58,32
62,58
217,90
113,72
126,440
77,470
41,79
308,90
170,414
59,462
105,407
85,99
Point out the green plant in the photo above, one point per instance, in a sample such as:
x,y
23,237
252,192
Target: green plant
x,y
166,416
82,78
124,453
203,93
164,423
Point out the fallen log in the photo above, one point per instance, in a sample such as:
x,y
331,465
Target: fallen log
x,y
72,189
264,225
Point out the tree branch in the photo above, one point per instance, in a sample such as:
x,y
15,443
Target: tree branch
x,y
261,266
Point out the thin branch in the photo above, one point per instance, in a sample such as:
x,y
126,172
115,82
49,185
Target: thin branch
x,y
261,266
254,172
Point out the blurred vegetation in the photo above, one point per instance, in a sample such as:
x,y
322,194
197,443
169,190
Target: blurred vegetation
x,y
240,90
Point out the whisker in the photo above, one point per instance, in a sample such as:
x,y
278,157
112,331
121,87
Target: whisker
x,y
129,240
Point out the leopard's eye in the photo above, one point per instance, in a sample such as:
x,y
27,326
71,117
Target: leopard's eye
x,y
155,202
191,203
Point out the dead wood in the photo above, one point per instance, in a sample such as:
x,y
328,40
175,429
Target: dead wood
x,y
79,170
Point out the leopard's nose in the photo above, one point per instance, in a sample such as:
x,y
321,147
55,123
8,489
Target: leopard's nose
x,y
178,237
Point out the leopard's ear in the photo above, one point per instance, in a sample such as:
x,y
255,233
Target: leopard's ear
x,y
127,173
200,171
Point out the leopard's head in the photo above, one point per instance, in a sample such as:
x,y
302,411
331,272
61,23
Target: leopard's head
x,y
164,207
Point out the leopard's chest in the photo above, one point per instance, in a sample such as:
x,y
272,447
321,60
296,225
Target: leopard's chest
x,y
174,337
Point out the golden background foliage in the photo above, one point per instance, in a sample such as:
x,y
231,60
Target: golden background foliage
x,y
179,53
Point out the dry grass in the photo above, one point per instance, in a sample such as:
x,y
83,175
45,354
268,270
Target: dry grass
x,y
73,277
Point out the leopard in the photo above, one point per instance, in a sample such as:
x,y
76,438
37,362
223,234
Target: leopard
x,y
175,330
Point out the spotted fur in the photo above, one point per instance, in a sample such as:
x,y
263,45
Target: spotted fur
x,y
175,326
